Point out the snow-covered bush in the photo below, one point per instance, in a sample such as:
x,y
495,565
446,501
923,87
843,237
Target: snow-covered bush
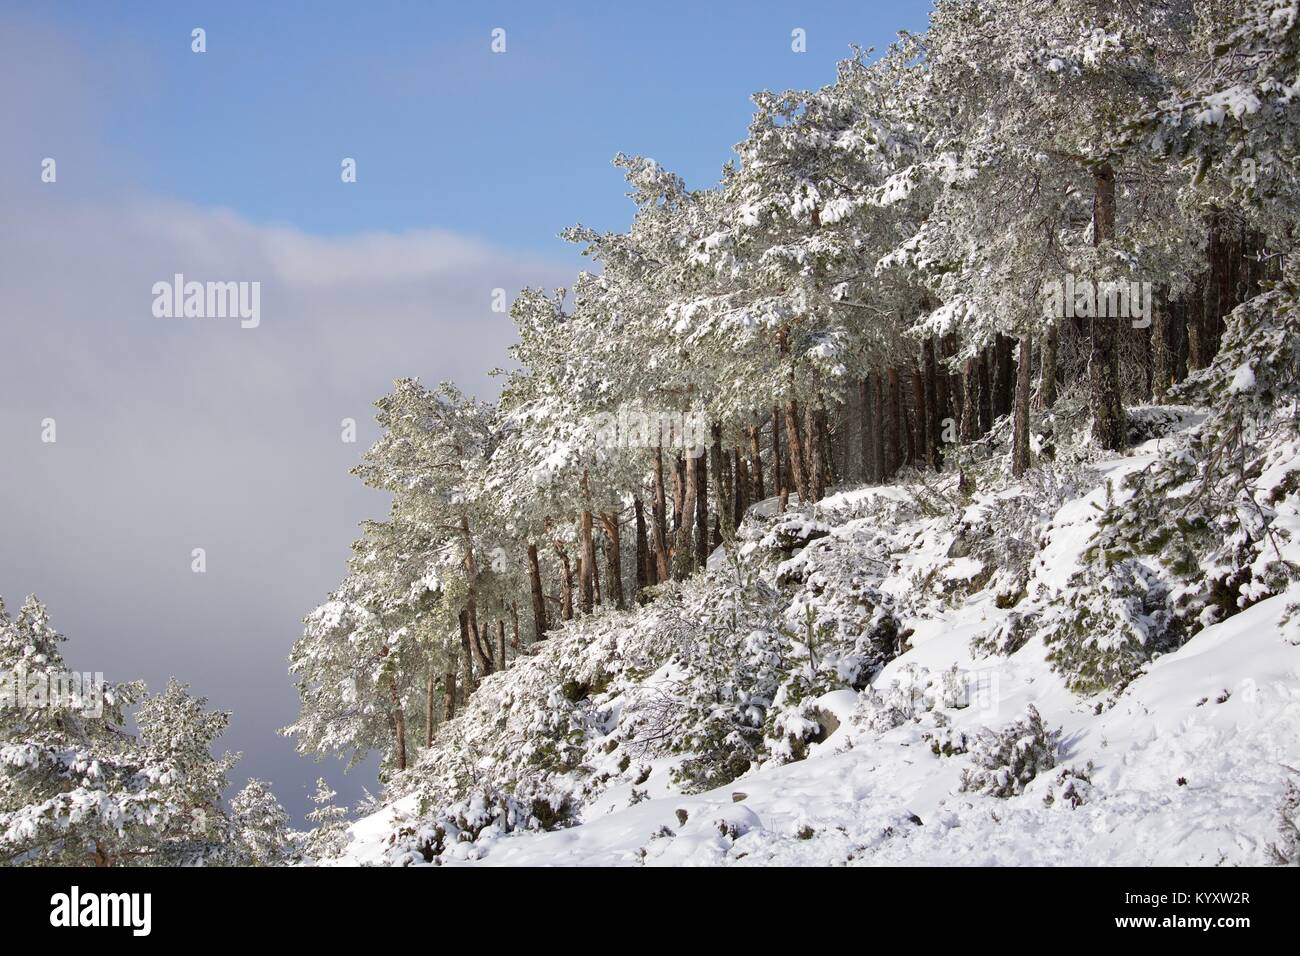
x,y
1005,761
913,694
1110,622
835,610
715,697
329,834
484,814
1216,508
1003,530
1072,788
1146,422
261,835
1205,530
948,742
1006,636
1286,850
793,729
791,533
879,711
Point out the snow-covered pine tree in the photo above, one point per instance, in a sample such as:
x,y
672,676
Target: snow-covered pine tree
x,y
260,827
329,834
366,656
77,789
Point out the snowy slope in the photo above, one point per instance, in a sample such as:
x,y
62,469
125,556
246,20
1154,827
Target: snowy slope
x,y
856,804
1188,762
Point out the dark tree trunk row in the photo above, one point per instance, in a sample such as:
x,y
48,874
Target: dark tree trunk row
x,y
1105,400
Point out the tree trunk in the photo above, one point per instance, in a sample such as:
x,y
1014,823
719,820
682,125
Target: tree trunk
x,y
1142,340
815,453
954,377
399,725
467,652
779,484
535,585
482,646
1218,296
970,402
826,444
1177,341
1020,430
501,644
794,447
701,464
941,418
722,505
449,695
683,549
918,437
757,491
1195,324
930,398
877,429
613,557
1160,357
428,709
1004,392
864,429
682,477
566,583
985,391
1103,361
587,553
893,439
1215,293
1047,379
644,569
660,514
741,489
471,600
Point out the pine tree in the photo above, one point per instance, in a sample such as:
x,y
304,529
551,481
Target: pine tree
x,y
261,827
329,836
77,789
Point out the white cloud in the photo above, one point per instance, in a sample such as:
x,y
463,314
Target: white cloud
x,y
183,433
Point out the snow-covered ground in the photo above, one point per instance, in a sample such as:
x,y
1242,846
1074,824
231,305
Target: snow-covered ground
x,y
1185,766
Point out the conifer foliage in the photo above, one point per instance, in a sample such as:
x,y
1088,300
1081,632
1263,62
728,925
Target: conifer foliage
x,y
883,371
79,788
873,293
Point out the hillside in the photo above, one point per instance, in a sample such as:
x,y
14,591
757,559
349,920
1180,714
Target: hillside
x,y
623,739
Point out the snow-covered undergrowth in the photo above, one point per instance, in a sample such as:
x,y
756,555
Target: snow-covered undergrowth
x,y
1038,673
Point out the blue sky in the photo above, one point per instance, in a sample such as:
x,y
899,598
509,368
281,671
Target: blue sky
x,y
225,165
509,147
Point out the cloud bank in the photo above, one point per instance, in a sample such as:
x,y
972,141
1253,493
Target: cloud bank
x,y
183,433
